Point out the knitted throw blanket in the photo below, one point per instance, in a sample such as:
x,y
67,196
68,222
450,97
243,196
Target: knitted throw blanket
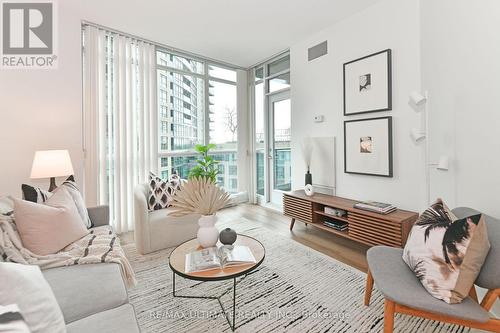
x,y
101,245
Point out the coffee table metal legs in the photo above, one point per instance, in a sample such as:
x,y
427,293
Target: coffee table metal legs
x,y
218,298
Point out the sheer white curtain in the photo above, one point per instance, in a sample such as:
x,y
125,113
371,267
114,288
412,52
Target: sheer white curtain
x,y
120,120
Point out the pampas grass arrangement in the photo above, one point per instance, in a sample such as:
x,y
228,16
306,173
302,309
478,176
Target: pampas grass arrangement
x,y
307,149
199,195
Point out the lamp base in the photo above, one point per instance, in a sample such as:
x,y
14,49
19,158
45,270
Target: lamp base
x,y
53,185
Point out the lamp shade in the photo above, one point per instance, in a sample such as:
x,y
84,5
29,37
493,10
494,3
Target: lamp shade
x,y
51,163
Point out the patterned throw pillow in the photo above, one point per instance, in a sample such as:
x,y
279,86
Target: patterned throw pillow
x,y
161,192
446,253
35,194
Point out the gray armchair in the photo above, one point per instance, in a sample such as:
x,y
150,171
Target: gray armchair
x,y
405,294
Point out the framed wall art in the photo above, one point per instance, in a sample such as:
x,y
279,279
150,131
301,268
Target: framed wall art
x,y
368,84
368,146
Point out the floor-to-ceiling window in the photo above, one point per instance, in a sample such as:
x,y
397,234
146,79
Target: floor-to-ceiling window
x,y
272,129
197,104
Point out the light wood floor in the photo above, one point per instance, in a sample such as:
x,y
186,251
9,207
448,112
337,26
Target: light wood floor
x,y
344,250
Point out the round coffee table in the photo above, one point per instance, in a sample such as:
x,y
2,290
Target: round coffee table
x,y
177,264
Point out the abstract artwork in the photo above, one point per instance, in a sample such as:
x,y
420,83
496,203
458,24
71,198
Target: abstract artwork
x,y
368,84
368,146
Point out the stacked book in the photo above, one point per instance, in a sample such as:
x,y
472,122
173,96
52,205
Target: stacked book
x,y
376,207
337,225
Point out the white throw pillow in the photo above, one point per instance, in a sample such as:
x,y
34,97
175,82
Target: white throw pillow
x,y
11,320
50,227
25,286
70,185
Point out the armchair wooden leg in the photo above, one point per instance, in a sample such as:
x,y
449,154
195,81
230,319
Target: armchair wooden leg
x,y
369,288
389,316
489,299
473,293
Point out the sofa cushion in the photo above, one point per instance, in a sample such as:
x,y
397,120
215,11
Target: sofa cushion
x,y
83,290
118,320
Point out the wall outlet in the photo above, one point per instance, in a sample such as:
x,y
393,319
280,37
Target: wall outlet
x,y
319,119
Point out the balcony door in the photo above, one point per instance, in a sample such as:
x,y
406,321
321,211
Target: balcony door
x,y
279,152
272,120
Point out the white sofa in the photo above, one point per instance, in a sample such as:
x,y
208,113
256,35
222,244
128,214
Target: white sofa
x,y
157,230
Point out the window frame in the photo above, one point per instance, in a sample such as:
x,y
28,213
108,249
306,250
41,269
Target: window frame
x,y
253,81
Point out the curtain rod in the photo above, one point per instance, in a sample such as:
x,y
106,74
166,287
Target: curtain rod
x,y
164,46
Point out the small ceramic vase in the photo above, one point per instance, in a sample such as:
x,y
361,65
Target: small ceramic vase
x,y
228,236
207,233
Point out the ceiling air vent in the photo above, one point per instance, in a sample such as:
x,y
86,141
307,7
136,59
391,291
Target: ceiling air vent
x,y
317,51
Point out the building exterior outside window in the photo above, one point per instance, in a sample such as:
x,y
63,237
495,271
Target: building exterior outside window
x,y
184,110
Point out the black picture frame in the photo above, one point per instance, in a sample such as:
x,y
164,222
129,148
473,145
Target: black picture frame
x,y
389,146
389,82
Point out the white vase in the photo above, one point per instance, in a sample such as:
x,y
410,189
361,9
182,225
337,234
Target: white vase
x,y
208,234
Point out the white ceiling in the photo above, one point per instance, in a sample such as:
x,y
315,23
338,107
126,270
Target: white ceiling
x,y
240,32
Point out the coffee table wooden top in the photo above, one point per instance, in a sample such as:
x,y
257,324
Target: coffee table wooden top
x,y
178,258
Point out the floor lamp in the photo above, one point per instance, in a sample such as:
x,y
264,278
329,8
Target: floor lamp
x,y
419,104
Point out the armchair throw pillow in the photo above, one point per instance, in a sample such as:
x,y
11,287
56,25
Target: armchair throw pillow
x,y
161,192
447,253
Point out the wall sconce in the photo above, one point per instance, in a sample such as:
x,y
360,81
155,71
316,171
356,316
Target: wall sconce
x,y
443,163
417,98
417,134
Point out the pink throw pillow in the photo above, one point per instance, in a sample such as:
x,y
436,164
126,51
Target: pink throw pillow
x,y
48,228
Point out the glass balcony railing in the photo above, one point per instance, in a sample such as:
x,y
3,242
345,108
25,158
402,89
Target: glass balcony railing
x,y
282,169
228,168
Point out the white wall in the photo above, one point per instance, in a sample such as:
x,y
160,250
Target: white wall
x,y
317,90
41,109
460,69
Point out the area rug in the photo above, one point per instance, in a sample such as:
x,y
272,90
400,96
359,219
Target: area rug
x,y
296,289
